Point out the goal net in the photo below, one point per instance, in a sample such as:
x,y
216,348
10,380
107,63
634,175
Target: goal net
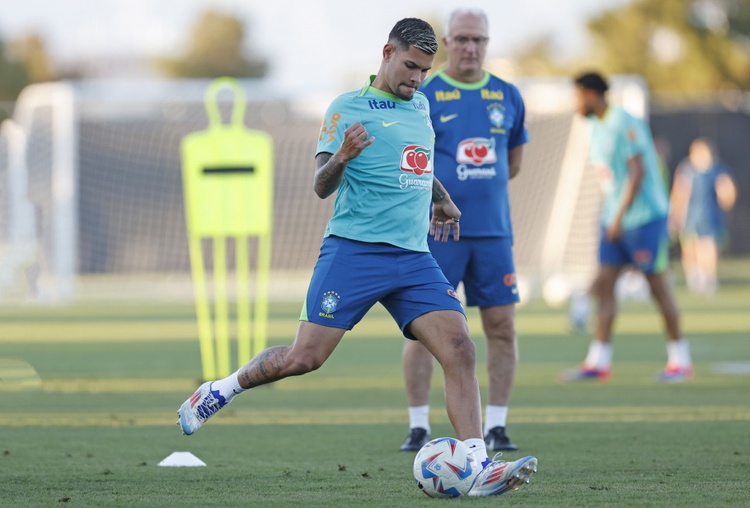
x,y
91,199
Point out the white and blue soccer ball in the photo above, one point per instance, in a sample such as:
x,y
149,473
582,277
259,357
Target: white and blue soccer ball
x,y
445,467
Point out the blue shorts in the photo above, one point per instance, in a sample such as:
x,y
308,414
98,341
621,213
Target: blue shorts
x,y
351,276
485,265
645,247
706,225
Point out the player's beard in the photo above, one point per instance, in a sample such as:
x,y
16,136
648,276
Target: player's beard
x,y
407,96
586,110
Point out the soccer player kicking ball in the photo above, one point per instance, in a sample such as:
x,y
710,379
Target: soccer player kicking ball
x,y
634,227
376,148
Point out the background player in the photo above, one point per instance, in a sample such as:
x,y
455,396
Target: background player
x,y
479,136
702,192
375,149
634,226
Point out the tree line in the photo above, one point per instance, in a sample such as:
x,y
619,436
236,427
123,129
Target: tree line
x,y
680,47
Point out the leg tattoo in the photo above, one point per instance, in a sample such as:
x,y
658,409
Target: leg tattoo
x,y
265,368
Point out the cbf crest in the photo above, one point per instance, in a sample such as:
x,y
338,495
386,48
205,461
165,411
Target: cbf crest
x,y
330,302
496,114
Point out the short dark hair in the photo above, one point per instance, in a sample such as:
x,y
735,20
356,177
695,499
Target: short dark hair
x,y
592,81
414,32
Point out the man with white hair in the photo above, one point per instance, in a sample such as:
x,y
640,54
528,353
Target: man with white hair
x,y
479,136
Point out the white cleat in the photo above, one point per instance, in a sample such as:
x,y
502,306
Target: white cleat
x,y
499,477
201,406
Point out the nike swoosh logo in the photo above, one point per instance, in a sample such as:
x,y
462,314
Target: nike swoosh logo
x,y
389,123
447,118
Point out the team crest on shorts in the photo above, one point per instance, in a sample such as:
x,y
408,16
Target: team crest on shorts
x,y
330,302
642,257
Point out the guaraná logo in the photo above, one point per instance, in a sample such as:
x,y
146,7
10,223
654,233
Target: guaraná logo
x,y
476,151
416,159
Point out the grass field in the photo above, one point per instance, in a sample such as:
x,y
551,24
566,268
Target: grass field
x,y
93,428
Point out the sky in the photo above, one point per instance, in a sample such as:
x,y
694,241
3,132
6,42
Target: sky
x,y
311,42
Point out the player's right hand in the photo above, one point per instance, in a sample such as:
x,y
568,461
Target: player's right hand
x,y
356,139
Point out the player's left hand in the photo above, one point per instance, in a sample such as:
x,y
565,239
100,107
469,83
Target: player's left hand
x,y
614,231
444,216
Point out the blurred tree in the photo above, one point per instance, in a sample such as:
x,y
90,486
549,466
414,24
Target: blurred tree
x,y
215,48
536,58
681,47
30,50
13,75
22,61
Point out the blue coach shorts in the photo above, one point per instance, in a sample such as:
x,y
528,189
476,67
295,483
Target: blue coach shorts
x,y
485,265
645,247
351,276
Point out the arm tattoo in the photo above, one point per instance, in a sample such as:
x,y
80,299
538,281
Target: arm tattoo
x,y
328,175
438,191
264,368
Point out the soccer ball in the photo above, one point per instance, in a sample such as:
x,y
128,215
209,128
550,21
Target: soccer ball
x,y
445,467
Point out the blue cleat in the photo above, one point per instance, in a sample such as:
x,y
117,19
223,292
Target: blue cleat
x,y
675,374
585,374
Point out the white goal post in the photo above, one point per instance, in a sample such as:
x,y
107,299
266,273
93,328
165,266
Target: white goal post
x,y
61,171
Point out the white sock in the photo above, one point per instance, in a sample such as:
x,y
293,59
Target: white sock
x,y
494,416
693,280
580,308
478,447
678,354
711,285
605,357
599,355
419,416
229,386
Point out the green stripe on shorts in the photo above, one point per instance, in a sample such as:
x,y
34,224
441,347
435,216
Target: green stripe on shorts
x,y
662,256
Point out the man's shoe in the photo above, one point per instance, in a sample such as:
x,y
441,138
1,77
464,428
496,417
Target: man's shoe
x,y
675,374
499,477
498,441
417,438
201,406
585,374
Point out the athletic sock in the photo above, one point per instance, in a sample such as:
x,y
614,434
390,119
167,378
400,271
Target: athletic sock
x,y
419,417
229,386
495,416
693,280
599,356
479,448
678,354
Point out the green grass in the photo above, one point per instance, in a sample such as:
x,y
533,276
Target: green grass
x,y
112,376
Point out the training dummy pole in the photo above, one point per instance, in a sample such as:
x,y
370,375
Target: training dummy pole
x,y
227,173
